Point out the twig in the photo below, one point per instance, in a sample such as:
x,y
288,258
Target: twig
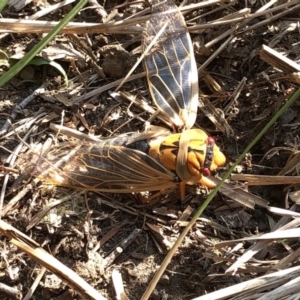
x,y
11,160
35,284
124,244
250,285
118,285
8,207
48,207
21,106
106,87
29,294
11,292
34,250
279,61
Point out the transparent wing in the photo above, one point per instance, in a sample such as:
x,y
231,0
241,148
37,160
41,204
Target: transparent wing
x,y
170,64
101,168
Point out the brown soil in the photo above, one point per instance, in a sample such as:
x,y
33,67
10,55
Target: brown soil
x,y
87,227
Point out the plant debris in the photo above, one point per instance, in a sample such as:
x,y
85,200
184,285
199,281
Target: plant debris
x,y
81,244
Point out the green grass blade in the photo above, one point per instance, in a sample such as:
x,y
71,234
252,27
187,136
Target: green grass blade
x,y
294,97
39,61
171,253
2,4
37,48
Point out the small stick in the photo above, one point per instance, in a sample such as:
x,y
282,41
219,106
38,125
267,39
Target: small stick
x,y
18,197
39,277
19,107
11,292
36,282
116,253
11,160
116,277
35,251
48,207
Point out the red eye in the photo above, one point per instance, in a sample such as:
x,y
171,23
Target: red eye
x,y
210,140
206,172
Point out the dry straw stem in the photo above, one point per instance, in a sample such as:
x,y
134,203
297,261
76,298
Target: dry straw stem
x,y
265,179
129,26
277,60
35,284
11,161
12,292
116,277
48,206
106,87
287,280
33,249
13,202
280,234
281,283
283,229
127,209
281,62
239,195
41,272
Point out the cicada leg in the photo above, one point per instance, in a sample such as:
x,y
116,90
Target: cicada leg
x,y
205,181
182,189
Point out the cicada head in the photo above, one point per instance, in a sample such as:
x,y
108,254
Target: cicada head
x,y
192,154
198,155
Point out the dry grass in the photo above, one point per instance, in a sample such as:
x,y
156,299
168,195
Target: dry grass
x,y
246,246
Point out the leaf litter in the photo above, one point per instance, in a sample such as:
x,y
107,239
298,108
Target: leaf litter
x,y
246,245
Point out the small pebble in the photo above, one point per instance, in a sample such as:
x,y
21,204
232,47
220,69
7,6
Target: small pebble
x,y
165,280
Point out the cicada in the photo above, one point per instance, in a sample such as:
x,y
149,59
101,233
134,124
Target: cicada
x,y
148,161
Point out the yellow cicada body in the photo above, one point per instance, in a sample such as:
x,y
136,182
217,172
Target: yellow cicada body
x,y
190,154
146,161
129,164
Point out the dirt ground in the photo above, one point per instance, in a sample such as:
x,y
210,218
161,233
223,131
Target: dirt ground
x,y
241,89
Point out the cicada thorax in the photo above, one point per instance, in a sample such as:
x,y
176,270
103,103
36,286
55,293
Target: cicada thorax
x,y
191,154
